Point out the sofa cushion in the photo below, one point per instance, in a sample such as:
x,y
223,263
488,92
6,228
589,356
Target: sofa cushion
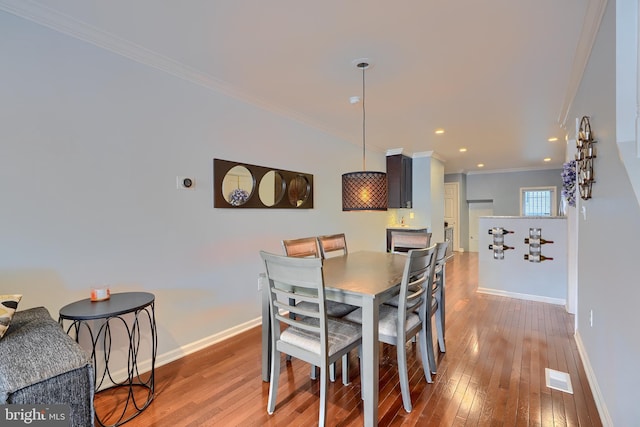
x,y
35,348
8,306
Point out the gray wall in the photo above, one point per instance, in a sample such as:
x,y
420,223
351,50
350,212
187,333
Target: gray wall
x,y
607,242
504,187
91,146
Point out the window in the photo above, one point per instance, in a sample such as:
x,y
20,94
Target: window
x,y
537,201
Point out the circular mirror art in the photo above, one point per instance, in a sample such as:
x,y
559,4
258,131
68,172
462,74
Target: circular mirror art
x,y
271,188
242,185
237,185
298,190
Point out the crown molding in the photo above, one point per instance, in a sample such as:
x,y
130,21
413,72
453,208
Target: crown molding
x,y
394,151
590,26
432,154
65,24
531,169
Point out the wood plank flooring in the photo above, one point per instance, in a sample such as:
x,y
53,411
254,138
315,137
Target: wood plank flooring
x,y
493,374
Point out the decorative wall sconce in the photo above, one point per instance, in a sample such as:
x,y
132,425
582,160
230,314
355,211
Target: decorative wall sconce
x,y
498,247
535,241
584,158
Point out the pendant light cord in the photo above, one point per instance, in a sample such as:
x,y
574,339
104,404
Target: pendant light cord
x,y
363,65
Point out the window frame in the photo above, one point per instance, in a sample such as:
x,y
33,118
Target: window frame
x,y
553,196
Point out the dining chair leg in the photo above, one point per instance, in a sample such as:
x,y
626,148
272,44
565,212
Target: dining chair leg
x,y
404,377
442,306
292,301
323,397
332,372
361,372
314,372
440,327
273,386
430,349
424,351
345,369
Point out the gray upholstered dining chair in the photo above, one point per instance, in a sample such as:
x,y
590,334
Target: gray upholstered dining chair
x,y
397,325
438,304
333,243
409,240
311,335
301,248
308,247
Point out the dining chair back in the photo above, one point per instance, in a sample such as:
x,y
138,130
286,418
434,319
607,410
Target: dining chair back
x,y
308,247
310,335
397,325
301,248
438,305
334,243
401,241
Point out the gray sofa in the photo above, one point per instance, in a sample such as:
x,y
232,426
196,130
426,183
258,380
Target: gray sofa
x,y
40,364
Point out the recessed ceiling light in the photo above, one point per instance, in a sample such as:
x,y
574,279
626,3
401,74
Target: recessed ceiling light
x,y
480,165
463,150
439,131
552,139
547,159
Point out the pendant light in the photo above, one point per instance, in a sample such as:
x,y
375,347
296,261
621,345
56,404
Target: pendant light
x,y
364,190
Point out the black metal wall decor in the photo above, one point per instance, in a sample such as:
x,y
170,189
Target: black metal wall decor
x,y
241,185
584,158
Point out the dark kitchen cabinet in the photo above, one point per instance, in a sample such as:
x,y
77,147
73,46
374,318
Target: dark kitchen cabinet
x,y
399,181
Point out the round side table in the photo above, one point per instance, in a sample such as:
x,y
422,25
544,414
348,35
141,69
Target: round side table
x,y
118,308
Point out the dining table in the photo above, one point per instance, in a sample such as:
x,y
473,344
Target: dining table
x,y
365,279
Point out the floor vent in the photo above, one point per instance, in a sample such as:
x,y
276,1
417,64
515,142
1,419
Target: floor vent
x,y
558,380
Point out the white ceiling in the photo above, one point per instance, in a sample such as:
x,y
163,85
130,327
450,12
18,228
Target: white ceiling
x,y
497,75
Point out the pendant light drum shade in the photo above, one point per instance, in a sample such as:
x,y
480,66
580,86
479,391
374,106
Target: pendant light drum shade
x,y
364,190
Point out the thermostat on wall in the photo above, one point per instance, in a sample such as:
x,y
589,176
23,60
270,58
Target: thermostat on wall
x,y
185,183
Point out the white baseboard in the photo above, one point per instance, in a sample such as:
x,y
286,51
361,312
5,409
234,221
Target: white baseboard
x,y
538,298
605,417
163,359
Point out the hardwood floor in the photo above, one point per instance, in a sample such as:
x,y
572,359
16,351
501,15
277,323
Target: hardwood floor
x,y
493,374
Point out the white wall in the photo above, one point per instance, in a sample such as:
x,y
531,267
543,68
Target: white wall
x,y
627,90
421,175
428,194
607,245
512,275
91,146
437,200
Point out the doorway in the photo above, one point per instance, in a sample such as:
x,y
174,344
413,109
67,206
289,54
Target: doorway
x,y
476,210
451,211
